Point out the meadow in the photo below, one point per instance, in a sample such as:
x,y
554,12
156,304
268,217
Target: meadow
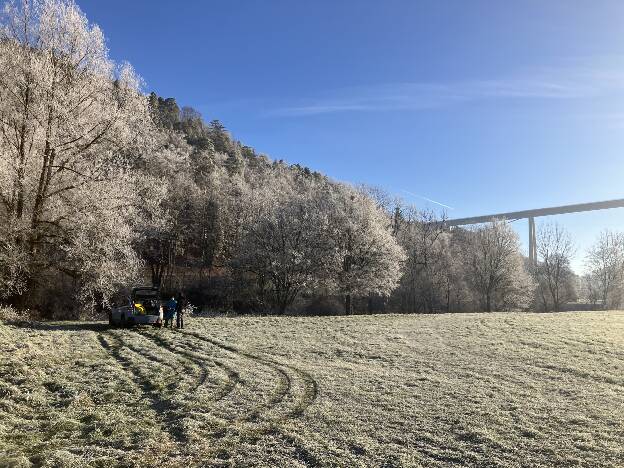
x,y
501,389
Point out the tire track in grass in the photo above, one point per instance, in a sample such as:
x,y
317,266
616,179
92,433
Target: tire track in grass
x,y
196,408
283,389
191,366
310,392
175,379
301,453
255,424
232,377
163,407
249,430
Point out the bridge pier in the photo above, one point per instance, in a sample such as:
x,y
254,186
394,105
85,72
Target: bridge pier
x,y
532,242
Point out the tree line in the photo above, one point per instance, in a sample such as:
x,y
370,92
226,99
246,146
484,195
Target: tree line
x,y
103,186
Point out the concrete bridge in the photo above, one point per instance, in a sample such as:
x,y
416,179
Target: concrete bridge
x,y
532,214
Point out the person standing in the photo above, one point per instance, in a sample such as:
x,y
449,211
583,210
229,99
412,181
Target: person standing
x,y
170,311
180,305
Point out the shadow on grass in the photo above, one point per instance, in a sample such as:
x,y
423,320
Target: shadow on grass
x,y
60,326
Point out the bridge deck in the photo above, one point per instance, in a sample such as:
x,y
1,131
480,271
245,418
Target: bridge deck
x,y
578,208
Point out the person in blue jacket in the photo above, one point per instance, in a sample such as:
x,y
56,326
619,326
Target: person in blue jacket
x,y
170,311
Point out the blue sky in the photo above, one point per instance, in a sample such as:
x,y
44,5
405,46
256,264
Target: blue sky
x,y
482,106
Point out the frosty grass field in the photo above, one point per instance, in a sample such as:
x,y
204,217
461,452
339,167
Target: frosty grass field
x,y
496,389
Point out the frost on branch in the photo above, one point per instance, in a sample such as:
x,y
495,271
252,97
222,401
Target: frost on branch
x,y
73,127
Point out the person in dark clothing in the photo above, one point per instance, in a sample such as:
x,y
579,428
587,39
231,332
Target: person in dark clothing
x,y
170,311
180,305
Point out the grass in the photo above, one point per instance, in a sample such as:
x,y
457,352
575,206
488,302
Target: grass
x,y
465,389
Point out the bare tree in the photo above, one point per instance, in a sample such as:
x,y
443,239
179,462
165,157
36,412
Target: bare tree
x,y
605,261
590,289
552,273
495,268
426,285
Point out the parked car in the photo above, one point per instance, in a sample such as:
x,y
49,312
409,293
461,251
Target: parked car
x,y
144,307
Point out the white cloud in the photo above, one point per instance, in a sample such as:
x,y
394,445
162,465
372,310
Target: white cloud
x,y
574,81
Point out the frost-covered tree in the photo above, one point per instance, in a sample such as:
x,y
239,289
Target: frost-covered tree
x,y
13,267
305,233
370,259
426,285
553,275
73,125
163,237
495,267
590,289
287,244
605,262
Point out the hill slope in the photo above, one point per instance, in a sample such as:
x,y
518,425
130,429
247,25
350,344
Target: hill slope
x,y
502,389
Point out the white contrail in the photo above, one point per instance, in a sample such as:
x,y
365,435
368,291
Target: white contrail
x,y
428,199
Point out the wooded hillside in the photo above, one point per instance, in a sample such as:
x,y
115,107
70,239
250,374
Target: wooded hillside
x,y
103,186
